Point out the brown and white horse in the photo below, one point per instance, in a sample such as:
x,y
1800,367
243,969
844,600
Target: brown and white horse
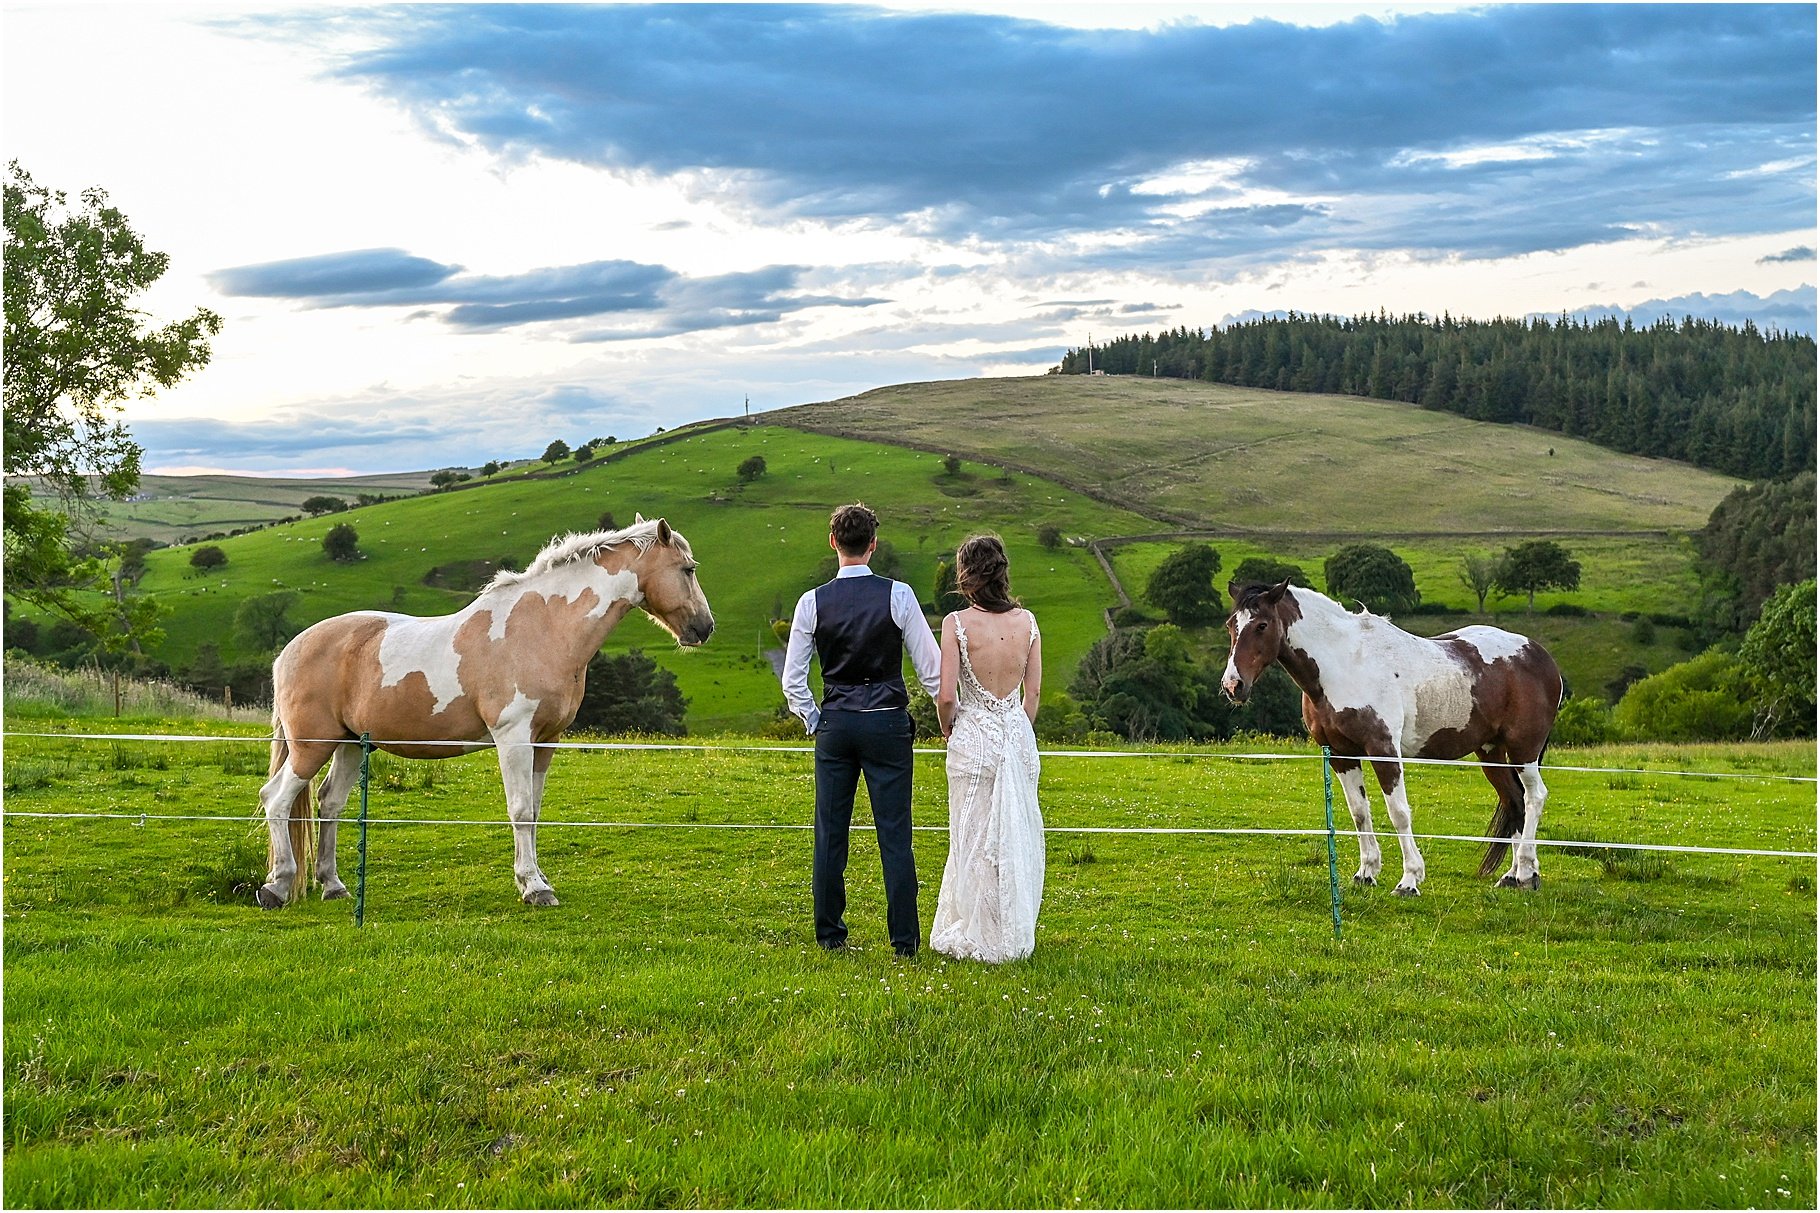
x,y
507,670
1371,690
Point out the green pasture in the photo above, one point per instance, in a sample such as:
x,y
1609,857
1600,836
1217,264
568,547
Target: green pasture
x,y
760,546
1630,575
1638,1033
1214,456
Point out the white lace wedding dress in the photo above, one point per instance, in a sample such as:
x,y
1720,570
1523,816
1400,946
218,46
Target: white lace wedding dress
x,y
993,883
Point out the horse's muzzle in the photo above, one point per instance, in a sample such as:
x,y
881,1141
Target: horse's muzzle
x,y
1236,692
697,632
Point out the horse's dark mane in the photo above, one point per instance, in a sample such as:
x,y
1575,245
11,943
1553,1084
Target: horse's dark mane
x,y
1245,597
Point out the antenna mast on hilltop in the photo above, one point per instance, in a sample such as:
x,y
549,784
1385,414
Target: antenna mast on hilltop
x,y
1090,353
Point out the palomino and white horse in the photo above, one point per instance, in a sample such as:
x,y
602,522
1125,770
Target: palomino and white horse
x,y
505,671
1371,690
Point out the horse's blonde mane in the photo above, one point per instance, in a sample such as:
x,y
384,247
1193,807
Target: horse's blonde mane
x,y
577,545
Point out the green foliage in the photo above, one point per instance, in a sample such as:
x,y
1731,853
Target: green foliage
x,y
1479,573
1583,720
492,467
1182,587
583,453
557,451
342,543
1733,399
1760,537
75,350
751,468
262,623
1778,658
323,504
1538,564
630,693
952,465
1266,570
1149,686
207,557
1705,699
948,596
1049,535
1373,575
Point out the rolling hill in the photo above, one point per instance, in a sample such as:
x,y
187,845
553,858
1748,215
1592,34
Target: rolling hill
x,y
1274,473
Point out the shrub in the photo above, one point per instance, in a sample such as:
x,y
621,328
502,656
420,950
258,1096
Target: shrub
x,y
1571,609
342,543
1705,699
1049,535
630,693
751,468
1583,721
1373,575
209,557
1182,586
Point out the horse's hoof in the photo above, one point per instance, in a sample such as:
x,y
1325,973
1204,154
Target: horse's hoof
x,y
540,897
1407,890
1529,883
1362,881
334,892
268,900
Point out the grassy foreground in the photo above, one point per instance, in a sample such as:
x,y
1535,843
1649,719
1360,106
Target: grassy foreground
x,y
1638,1033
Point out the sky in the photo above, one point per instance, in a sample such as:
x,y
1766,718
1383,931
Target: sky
x,y
443,234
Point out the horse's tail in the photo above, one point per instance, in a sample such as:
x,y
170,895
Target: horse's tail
x,y
303,838
1507,818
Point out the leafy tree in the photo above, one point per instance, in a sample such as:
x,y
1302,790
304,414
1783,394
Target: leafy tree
x,y
952,465
948,596
1705,699
446,478
262,622
1778,658
630,693
1539,564
1760,537
490,468
75,349
342,543
315,507
207,557
1583,720
584,452
885,562
1049,535
1373,575
751,468
1479,573
556,451
1261,570
1182,586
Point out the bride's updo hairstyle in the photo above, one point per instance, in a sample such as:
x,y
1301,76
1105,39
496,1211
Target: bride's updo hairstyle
x,y
983,574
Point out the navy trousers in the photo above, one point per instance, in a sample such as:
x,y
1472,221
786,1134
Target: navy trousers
x,y
877,745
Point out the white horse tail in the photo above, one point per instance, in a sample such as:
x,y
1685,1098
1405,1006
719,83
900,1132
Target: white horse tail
x,y
303,837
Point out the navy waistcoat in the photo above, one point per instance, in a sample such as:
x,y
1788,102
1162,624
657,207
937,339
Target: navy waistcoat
x,y
860,646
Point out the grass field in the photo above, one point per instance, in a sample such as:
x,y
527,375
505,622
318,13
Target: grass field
x,y
760,546
1209,455
1639,1033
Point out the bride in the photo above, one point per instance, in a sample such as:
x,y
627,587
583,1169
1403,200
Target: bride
x,y
992,672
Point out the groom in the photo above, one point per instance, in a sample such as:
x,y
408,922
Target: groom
x,y
859,626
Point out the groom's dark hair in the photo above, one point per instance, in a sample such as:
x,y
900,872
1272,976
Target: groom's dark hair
x,y
854,527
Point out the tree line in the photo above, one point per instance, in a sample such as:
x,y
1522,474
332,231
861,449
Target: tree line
x,y
1735,400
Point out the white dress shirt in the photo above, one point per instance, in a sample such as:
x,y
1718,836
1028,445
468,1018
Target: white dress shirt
x,y
925,654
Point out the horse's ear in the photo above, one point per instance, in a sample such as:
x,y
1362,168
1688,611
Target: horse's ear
x,y
663,532
1275,593
1232,590
638,519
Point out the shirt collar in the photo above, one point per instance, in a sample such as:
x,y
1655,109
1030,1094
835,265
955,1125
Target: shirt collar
x,y
854,570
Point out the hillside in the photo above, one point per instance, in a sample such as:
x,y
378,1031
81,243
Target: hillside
x,y
1125,458
1210,456
170,509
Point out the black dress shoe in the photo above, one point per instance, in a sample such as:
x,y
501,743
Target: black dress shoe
x,y
839,945
905,953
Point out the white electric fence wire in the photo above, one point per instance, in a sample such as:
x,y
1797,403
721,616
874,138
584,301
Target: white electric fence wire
x,y
477,746
142,818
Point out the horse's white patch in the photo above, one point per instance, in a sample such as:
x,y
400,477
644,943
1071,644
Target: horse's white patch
x,y
421,646
567,582
1494,644
1441,700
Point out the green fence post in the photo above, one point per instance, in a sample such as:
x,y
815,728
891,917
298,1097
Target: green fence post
x,y
360,872
1333,862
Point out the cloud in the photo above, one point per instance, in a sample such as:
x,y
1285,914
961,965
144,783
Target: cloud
x,y
664,302
1485,132
1803,252
1789,311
